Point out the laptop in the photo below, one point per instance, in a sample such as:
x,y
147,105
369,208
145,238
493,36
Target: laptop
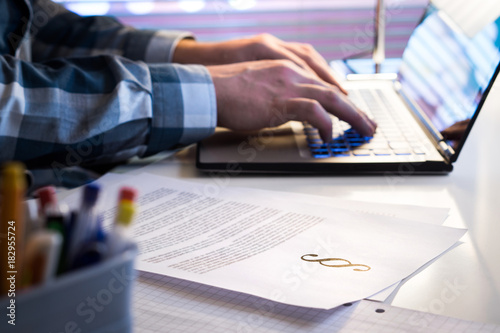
x,y
424,115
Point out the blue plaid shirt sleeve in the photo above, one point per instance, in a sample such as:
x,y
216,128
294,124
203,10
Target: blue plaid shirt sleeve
x,y
98,100
58,32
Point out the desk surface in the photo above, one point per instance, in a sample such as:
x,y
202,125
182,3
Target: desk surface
x,y
462,283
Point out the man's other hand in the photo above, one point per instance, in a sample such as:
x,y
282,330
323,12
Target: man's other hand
x,y
259,47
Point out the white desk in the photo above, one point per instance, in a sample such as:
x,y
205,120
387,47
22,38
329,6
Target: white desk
x,y
471,191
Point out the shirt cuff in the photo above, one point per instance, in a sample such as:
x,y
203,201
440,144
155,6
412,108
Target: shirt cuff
x,y
184,106
162,44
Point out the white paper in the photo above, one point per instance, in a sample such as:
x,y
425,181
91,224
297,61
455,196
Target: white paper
x,y
434,215
250,241
165,304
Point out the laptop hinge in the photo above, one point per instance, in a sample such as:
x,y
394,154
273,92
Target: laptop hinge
x,y
444,148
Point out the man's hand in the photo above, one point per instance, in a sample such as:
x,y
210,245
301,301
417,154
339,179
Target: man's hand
x,y
258,47
268,93
456,131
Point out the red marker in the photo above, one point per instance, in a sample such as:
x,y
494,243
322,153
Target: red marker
x,y
127,193
47,197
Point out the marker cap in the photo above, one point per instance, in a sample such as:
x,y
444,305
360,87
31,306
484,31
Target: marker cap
x,y
127,193
47,197
90,194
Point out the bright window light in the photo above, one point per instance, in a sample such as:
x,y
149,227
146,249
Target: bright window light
x,y
93,8
242,4
140,7
192,6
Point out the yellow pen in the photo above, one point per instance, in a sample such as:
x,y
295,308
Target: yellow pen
x,y
119,238
12,191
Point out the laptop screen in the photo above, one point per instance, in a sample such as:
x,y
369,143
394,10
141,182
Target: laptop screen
x,y
446,73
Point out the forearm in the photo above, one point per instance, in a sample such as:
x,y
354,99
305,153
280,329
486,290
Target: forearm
x,y
100,110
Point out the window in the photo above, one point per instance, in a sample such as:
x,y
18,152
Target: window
x,y
337,28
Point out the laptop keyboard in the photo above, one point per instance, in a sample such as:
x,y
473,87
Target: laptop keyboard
x,y
393,136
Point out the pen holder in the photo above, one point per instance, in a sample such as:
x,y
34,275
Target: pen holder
x,y
92,299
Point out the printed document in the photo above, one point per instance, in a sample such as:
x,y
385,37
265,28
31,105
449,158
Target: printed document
x,y
288,250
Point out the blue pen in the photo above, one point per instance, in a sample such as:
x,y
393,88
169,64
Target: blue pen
x,y
95,250
84,226
92,253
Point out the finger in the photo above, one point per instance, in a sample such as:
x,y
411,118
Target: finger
x,y
456,131
340,106
450,134
283,53
315,61
304,109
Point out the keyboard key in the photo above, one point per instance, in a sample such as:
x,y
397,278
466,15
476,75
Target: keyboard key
x,y
317,145
320,151
321,156
416,145
376,145
340,154
361,152
399,145
402,151
395,137
410,136
382,152
379,139
339,150
337,140
356,139
356,144
338,145
314,140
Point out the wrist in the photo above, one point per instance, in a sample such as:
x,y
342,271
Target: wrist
x,y
189,51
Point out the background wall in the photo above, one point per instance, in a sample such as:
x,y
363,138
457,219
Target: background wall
x,y
337,28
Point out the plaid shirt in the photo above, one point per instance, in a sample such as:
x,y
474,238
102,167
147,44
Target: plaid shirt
x,y
88,90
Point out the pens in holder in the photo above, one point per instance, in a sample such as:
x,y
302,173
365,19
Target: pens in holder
x,y
127,193
42,256
84,225
55,217
46,197
94,250
12,191
33,220
119,238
